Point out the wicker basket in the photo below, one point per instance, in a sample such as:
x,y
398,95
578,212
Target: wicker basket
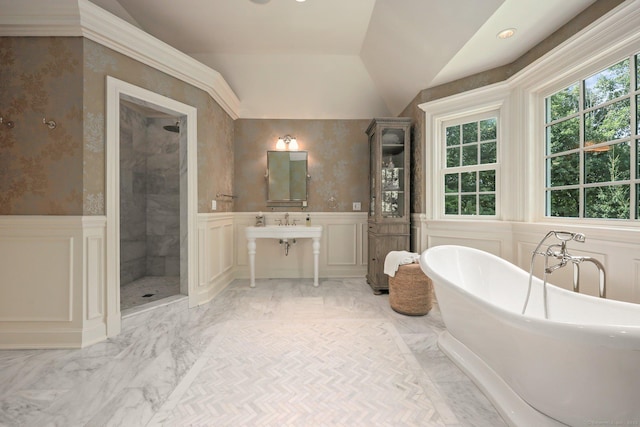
x,y
410,291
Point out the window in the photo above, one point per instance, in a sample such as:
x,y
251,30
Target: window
x,y
592,145
470,167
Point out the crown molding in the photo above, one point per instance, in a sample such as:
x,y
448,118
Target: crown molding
x,y
613,32
72,18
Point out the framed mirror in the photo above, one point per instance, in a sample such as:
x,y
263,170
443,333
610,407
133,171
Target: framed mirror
x,y
286,178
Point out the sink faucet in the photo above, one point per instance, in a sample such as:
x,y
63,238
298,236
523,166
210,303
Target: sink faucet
x,y
286,219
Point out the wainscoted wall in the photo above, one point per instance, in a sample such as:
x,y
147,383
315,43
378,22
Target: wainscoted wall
x,y
52,271
216,248
343,247
338,161
617,249
47,173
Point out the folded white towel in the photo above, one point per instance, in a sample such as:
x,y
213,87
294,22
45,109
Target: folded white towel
x,y
395,259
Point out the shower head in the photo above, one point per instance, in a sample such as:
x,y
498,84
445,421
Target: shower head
x,y
173,128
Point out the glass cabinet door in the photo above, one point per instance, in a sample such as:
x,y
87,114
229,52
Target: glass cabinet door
x,y
372,177
392,183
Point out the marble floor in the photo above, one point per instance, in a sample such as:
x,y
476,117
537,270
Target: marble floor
x,y
281,354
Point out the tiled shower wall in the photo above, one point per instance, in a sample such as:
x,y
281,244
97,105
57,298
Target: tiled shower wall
x,y
149,197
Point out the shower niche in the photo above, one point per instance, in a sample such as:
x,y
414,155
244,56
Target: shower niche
x,y
151,257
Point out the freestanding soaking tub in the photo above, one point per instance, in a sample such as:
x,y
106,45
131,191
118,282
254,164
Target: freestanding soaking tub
x,y
578,367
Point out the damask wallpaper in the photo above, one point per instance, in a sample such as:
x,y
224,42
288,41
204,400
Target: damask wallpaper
x,y
61,171
338,162
41,168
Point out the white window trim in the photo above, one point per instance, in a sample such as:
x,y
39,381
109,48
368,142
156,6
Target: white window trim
x,y
599,46
490,100
444,170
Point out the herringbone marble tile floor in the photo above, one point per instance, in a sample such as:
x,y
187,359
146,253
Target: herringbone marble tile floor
x,y
281,354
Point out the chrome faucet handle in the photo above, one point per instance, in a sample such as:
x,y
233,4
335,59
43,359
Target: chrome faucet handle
x,y
294,222
279,221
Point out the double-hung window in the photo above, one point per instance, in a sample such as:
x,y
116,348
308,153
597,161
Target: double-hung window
x,y
592,145
469,172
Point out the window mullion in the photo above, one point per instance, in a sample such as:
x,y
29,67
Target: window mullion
x,y
581,109
633,162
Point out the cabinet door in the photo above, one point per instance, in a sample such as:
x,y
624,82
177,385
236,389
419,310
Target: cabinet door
x,y
392,176
373,173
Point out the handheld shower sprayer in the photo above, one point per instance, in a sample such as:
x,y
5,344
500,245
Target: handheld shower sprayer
x,y
565,236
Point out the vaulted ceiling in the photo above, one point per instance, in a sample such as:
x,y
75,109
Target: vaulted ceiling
x,y
346,59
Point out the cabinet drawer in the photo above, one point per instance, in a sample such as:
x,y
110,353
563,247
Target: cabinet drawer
x,y
389,228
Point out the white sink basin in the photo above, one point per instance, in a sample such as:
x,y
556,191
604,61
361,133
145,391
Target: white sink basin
x,y
284,231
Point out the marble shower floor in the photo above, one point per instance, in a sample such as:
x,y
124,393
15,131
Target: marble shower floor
x,y
148,289
283,353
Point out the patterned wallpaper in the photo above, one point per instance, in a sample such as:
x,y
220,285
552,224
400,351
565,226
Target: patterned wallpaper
x,y
41,168
62,171
338,162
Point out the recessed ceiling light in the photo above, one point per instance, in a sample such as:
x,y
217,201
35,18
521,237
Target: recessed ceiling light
x,y
260,1
505,34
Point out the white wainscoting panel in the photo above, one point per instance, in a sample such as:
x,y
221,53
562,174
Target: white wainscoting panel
x,y
95,273
341,244
36,273
364,238
53,281
493,237
215,255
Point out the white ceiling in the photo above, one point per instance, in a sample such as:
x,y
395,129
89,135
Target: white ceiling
x,y
344,59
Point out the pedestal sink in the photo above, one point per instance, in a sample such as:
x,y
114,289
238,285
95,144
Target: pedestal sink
x,y
283,232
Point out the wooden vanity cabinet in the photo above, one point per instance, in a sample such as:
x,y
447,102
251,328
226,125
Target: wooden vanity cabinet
x,y
389,215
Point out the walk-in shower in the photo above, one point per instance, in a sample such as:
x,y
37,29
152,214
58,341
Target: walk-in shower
x,y
150,226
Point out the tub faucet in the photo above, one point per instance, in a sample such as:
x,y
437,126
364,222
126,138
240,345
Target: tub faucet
x,y
559,252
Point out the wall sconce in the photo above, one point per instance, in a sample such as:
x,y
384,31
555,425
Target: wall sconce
x,y
287,142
